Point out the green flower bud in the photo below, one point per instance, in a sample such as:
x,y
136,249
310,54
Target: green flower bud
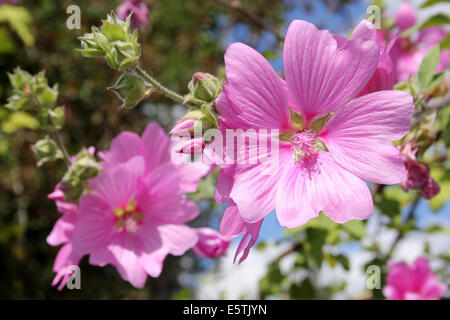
x,y
19,79
204,87
113,41
46,150
18,102
131,89
48,96
83,168
92,44
51,118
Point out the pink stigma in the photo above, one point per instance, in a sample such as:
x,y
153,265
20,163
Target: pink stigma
x,y
304,145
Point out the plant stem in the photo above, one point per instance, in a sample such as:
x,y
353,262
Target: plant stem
x,y
61,145
163,90
409,216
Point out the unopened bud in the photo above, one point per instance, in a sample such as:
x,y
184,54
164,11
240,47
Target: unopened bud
x,y
204,87
131,89
430,189
191,146
46,150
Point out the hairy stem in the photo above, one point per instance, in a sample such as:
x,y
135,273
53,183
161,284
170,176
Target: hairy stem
x,y
163,90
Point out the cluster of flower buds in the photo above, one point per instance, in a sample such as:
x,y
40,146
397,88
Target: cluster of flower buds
x,y
203,90
114,42
417,173
84,166
29,91
33,92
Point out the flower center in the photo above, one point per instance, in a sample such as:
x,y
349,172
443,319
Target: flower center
x,y
128,218
305,145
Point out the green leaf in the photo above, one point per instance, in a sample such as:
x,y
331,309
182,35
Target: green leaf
x,y
316,239
304,290
430,3
7,44
19,120
436,20
427,68
355,228
20,20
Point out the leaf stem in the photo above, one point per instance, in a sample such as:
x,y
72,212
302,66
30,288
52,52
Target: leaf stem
x,y
163,90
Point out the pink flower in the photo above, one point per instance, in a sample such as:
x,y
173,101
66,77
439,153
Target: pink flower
x,y
316,169
407,54
61,234
156,148
139,9
416,282
211,244
136,212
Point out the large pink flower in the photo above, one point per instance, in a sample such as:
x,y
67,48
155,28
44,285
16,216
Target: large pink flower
x,y
415,282
317,169
407,54
135,214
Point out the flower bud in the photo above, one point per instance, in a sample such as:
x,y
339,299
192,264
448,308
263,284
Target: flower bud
x,y
91,43
46,150
417,175
113,41
210,244
204,87
84,167
131,89
430,189
191,146
408,152
184,127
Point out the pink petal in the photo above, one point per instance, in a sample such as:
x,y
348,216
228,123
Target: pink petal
x,y
177,239
62,231
324,71
157,145
120,183
360,135
254,186
95,227
124,147
232,225
126,252
253,96
303,192
432,35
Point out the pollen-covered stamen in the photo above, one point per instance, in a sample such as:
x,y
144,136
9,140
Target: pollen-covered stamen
x,y
304,145
128,218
